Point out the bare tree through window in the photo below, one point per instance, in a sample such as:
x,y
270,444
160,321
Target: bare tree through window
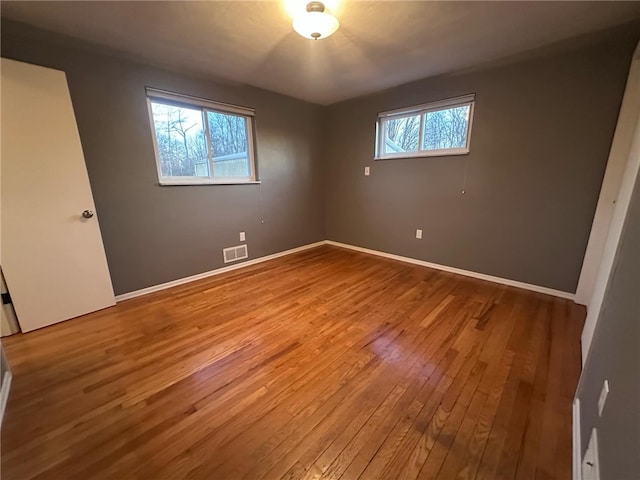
x,y
184,150
404,132
440,127
446,128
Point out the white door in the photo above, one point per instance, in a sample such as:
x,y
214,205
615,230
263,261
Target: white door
x,y
52,257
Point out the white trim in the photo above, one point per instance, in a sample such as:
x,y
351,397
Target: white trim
x,y
443,152
201,102
425,107
459,271
4,392
414,261
154,138
614,238
211,273
611,183
576,444
627,145
169,181
472,111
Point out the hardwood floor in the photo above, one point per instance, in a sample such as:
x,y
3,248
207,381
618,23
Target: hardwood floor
x,y
324,364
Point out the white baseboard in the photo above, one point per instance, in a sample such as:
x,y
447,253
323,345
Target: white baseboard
x,y
576,444
459,271
4,393
211,273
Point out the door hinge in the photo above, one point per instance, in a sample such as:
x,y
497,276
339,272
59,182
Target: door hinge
x,y
6,298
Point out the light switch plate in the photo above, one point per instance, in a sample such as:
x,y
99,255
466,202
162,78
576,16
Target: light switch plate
x,y
243,237
603,397
418,234
590,462
367,171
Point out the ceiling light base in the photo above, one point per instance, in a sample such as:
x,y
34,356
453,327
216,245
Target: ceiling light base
x,y
315,7
316,23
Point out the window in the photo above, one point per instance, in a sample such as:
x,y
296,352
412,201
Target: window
x,y
438,128
198,141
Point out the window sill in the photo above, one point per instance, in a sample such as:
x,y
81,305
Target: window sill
x,y
434,153
177,183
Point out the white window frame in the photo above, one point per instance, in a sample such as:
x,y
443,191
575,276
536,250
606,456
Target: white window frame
x,y
421,110
189,101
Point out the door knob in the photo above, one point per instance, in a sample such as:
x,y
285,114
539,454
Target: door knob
x,y
87,213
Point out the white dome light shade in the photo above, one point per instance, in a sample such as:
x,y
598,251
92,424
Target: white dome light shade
x,y
315,23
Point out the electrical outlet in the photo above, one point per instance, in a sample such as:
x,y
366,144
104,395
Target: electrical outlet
x,y
590,463
419,234
367,171
603,397
242,237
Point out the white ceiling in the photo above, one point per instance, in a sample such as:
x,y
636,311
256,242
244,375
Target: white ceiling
x,y
379,44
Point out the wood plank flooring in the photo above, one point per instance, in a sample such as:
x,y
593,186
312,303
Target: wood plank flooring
x,y
326,364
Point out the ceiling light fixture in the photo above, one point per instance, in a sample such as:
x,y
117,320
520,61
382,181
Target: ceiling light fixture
x,y
315,22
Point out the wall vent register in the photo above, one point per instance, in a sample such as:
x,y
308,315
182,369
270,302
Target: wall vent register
x,y
232,254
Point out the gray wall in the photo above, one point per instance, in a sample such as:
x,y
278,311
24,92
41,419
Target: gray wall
x,y
541,135
615,355
155,234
